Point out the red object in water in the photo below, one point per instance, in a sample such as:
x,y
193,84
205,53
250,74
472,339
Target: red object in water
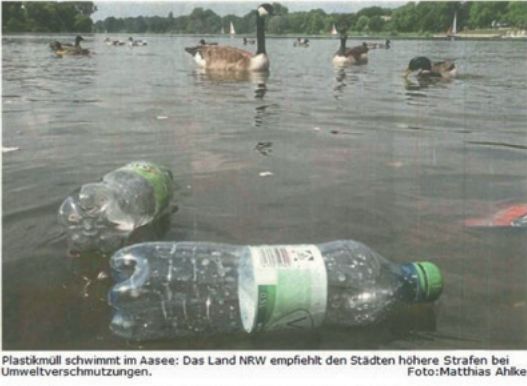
x,y
512,216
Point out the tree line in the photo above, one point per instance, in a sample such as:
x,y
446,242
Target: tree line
x,y
423,17
48,16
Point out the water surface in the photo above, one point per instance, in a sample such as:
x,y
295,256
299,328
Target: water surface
x,y
307,154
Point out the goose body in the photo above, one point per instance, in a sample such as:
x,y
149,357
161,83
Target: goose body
x,y
225,58
346,56
301,42
426,69
204,43
62,49
136,43
385,45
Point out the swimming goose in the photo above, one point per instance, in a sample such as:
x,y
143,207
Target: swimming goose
x,y
227,58
248,41
135,43
425,68
204,43
386,45
301,42
61,49
346,56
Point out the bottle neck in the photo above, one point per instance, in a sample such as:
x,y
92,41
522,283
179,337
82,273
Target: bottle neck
x,y
412,290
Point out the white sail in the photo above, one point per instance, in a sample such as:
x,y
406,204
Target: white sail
x,y
454,24
232,30
222,31
334,30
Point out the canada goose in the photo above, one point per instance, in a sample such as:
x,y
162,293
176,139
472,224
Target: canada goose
x,y
301,42
234,59
425,68
385,45
56,45
204,43
248,41
345,56
135,43
61,49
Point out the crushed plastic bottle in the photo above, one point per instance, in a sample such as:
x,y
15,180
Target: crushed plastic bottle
x,y
175,289
103,215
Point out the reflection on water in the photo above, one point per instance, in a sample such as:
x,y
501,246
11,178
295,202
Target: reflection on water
x,y
421,82
306,153
258,79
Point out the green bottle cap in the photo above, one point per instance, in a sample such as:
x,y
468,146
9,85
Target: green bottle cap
x,y
430,280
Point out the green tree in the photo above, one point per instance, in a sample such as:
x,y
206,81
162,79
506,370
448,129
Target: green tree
x,y
278,25
362,23
376,23
404,18
517,14
483,13
315,22
279,10
13,17
82,24
373,11
47,16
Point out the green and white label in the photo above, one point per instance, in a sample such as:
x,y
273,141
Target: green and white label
x,y
291,287
157,178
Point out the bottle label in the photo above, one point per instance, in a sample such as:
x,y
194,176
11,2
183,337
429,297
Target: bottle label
x,y
158,178
291,287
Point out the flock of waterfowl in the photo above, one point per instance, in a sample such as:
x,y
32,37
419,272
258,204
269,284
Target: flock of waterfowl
x,y
212,56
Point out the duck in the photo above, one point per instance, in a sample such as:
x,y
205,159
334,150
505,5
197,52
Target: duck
x,y
347,56
225,58
61,49
248,41
205,43
136,43
386,44
301,42
425,69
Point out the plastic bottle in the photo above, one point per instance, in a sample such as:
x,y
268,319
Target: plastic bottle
x,y
104,214
171,289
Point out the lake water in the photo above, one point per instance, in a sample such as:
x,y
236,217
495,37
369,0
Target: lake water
x,y
307,154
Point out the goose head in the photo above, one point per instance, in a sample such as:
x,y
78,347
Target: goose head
x,y
265,9
419,63
78,39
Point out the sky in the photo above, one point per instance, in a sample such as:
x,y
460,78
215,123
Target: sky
x,y
223,7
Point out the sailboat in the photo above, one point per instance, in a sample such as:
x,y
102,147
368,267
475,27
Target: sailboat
x,y
452,31
334,30
222,31
232,31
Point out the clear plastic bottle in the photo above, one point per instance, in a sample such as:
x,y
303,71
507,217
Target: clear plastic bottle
x,y
102,216
172,289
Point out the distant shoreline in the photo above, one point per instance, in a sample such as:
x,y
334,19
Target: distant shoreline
x,y
459,37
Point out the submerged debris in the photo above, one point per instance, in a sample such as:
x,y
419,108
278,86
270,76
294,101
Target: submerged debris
x,y
8,149
264,148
